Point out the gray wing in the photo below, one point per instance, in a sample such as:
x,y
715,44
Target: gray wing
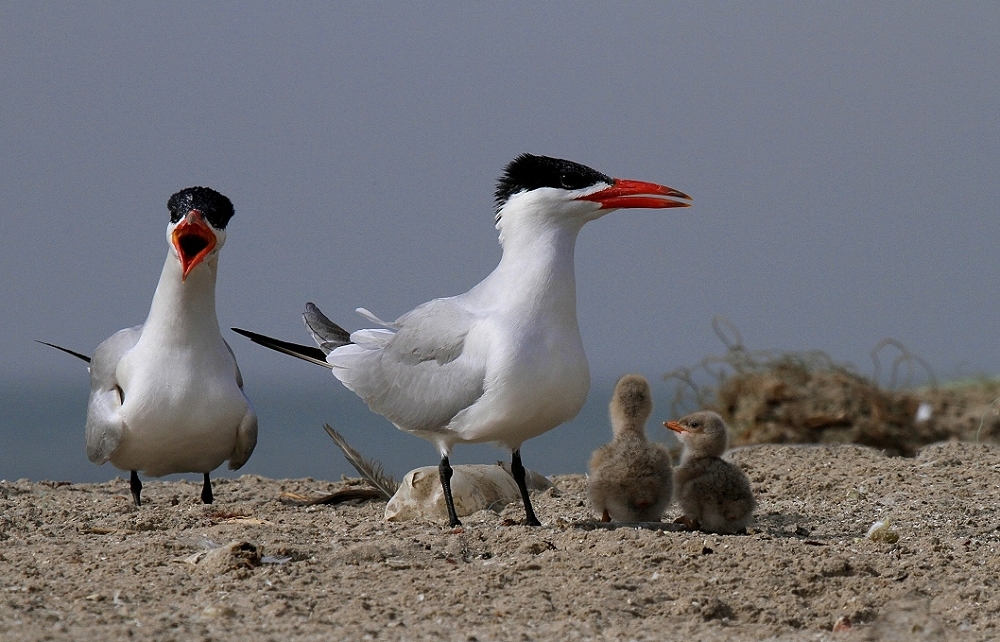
x,y
328,335
104,423
246,439
246,434
419,375
239,375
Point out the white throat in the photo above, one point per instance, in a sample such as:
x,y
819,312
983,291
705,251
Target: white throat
x,y
183,311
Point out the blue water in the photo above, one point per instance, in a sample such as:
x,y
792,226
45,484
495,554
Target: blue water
x,y
41,435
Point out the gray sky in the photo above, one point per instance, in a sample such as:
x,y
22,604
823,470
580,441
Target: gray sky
x,y
844,160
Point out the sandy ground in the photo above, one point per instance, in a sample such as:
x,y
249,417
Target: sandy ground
x,y
80,562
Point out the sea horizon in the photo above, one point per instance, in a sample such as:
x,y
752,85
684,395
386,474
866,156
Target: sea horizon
x,y
42,434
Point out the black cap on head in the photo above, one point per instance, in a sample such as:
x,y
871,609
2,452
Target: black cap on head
x,y
528,172
216,208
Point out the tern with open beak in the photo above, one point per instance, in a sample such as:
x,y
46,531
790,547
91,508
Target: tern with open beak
x,y
167,396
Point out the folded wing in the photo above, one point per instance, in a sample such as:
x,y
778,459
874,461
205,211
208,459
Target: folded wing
x,y
419,373
104,423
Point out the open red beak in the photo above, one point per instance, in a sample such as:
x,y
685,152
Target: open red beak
x,y
673,425
193,239
629,193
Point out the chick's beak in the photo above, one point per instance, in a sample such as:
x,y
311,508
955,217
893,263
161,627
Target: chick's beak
x,y
676,427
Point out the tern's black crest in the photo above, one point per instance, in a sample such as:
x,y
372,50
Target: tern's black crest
x,y
216,208
528,172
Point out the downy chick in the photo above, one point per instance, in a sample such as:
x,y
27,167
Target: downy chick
x,y
630,478
713,494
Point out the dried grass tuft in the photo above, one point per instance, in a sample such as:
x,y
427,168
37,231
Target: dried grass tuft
x,y
806,397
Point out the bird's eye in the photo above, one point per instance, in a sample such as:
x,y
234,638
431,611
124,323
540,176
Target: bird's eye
x,y
695,424
565,181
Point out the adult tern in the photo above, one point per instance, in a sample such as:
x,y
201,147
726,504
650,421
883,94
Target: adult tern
x,y
167,396
503,362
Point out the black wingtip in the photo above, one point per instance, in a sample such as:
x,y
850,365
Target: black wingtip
x,y
306,353
66,350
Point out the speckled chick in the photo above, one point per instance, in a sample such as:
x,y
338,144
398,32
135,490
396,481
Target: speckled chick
x,y
713,494
631,478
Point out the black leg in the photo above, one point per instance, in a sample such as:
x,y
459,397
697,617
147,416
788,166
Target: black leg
x,y
444,469
136,487
517,469
206,491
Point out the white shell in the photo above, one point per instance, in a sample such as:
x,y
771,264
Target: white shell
x,y
474,487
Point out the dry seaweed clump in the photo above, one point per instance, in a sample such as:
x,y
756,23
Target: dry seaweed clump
x,y
807,398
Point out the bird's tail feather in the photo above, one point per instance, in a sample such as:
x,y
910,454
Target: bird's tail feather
x,y
306,353
66,350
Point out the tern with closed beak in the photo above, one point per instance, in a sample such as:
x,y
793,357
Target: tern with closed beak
x,y
503,362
